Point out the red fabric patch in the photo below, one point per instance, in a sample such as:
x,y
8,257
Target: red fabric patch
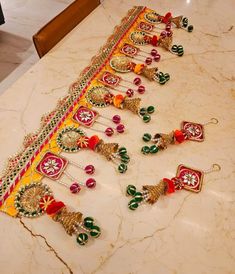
x,y
54,207
93,141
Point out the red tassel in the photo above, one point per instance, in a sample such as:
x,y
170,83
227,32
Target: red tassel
x,y
154,40
93,141
166,18
179,136
170,185
54,207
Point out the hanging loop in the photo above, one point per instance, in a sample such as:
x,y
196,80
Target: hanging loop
x,y
214,168
213,121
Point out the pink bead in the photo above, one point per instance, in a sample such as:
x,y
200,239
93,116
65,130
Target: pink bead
x,y
90,169
109,131
75,188
157,58
141,89
163,34
137,81
130,92
90,183
120,128
116,119
153,52
148,61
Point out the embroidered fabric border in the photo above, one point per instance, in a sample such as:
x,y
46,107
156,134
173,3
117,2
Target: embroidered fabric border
x,y
20,163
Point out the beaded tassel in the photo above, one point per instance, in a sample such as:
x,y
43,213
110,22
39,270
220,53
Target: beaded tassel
x,y
154,192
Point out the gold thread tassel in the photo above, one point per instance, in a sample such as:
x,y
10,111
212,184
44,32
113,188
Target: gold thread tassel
x,y
106,149
69,220
162,140
132,104
154,192
149,73
177,21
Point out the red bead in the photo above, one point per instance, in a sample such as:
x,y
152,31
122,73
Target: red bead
x,y
109,131
90,169
120,128
170,185
90,183
157,58
137,81
116,119
153,52
141,89
130,92
75,188
148,61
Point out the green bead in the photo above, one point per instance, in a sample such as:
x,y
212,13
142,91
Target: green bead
x,y
133,204
153,149
162,80
95,231
122,168
150,109
82,238
145,150
160,74
131,190
180,50
167,76
142,111
122,151
125,159
190,28
88,222
185,22
147,137
138,197
174,48
146,118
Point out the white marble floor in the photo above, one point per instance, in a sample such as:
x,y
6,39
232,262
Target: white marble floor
x,y
23,18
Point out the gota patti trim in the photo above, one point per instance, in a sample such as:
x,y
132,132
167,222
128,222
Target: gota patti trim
x,y
35,143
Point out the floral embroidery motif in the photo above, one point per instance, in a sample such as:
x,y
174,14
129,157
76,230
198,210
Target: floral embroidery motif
x,y
52,166
129,50
110,79
190,178
85,116
193,131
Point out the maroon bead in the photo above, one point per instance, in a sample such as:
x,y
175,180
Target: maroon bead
x,y
137,81
169,33
141,89
120,128
157,58
168,27
109,131
163,34
130,92
116,119
148,61
153,52
75,188
90,183
90,169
